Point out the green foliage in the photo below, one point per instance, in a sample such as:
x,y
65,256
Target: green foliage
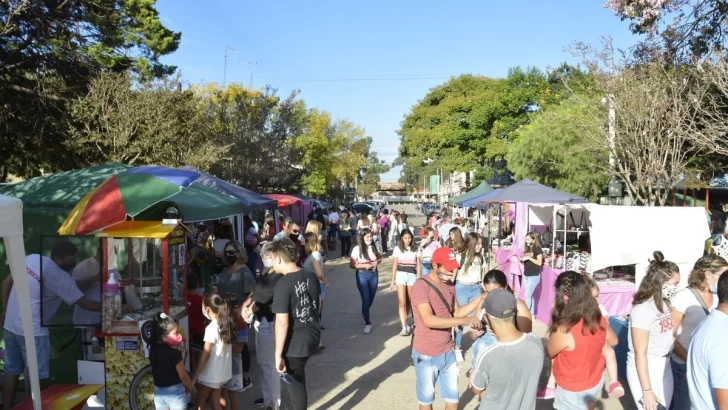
x,y
557,149
49,52
370,176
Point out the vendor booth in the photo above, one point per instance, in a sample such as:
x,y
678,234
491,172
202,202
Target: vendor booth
x,y
290,206
612,243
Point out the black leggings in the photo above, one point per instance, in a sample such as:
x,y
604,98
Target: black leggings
x,y
246,359
296,369
345,245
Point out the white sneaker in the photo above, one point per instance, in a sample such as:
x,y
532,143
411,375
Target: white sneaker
x,y
459,356
367,329
404,332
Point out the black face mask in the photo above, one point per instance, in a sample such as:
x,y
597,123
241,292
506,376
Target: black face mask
x,y
68,267
293,237
231,259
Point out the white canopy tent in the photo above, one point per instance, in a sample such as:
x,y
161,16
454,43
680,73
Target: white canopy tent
x,y
627,235
11,230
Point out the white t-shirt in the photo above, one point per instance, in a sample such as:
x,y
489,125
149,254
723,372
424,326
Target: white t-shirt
x,y
58,286
426,252
333,218
474,272
405,258
359,258
86,270
219,367
659,324
686,303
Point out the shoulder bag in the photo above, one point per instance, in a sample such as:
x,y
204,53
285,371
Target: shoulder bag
x,y
444,301
701,301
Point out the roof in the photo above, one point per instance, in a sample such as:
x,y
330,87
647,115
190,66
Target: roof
x,y
285,200
61,191
11,216
534,193
480,200
249,199
481,189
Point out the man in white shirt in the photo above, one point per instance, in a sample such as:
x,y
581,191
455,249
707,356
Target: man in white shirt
x,y
57,287
333,228
707,371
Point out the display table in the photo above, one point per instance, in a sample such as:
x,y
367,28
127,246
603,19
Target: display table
x,y
616,296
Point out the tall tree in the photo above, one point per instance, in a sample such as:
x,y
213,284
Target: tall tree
x,y
676,29
50,50
370,176
141,122
557,149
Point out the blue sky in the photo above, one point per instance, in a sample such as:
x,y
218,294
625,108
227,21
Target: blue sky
x,y
307,45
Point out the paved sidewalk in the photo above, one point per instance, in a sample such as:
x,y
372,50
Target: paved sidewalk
x,y
358,371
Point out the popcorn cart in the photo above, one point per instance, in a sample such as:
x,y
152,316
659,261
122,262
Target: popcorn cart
x,y
144,272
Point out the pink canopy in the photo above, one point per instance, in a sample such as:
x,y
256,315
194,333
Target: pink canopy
x,y
285,200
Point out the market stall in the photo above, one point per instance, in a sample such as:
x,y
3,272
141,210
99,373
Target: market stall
x,y
291,206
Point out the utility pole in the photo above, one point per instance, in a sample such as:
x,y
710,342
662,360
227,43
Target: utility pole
x,y
252,73
224,72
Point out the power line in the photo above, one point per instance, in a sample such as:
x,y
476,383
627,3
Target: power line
x,y
322,80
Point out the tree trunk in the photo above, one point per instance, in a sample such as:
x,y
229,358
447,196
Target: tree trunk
x,y
4,174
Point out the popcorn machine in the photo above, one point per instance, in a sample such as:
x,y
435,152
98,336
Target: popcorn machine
x,y
144,272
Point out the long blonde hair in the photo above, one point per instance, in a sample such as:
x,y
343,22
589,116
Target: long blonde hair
x,y
712,263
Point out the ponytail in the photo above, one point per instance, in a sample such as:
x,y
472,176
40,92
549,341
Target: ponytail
x,y
225,320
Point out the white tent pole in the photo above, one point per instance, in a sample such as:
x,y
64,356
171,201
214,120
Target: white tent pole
x,y
553,243
15,248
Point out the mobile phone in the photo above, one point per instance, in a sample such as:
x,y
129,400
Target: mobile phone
x,y
659,405
286,378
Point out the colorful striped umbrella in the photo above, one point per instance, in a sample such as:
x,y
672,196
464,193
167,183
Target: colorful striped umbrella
x,y
125,195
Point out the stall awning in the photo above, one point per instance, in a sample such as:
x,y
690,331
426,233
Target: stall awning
x,y
532,192
139,229
249,199
482,200
481,189
285,200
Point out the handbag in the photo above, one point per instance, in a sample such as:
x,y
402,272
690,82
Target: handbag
x,y
444,302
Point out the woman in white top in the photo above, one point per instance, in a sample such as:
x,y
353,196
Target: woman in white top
x,y
364,260
690,307
405,271
375,230
427,247
394,223
651,335
467,280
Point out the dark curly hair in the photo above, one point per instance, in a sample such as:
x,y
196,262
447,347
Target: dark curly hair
x,y
574,303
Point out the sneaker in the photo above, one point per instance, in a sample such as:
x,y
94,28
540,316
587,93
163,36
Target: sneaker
x,y
367,329
546,392
459,356
260,401
616,390
246,385
404,332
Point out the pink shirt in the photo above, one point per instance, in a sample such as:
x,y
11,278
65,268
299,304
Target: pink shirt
x,y
432,342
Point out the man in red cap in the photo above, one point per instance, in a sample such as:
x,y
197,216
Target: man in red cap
x,y
436,312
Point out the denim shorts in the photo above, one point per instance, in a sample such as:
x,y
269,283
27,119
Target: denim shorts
x,y
442,370
426,267
16,357
322,289
405,278
172,397
235,384
577,400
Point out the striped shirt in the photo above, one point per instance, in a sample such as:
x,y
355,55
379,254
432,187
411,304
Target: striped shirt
x,y
405,258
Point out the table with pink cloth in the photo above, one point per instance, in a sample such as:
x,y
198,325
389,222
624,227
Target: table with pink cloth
x,y
614,294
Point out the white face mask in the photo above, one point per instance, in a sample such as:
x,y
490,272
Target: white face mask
x,y
368,241
669,291
268,263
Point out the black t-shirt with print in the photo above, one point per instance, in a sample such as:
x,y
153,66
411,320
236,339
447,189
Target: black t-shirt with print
x,y
297,294
164,359
263,295
530,268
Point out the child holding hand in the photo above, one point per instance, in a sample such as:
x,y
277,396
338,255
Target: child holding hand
x,y
168,368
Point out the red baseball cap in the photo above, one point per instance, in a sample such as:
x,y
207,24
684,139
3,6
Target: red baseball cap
x,y
445,257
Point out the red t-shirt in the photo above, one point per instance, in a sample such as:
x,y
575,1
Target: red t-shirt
x,y
194,313
582,368
432,342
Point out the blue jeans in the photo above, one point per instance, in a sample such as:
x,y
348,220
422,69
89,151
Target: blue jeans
x,y
367,283
395,239
172,397
530,283
481,343
464,293
680,396
441,370
426,268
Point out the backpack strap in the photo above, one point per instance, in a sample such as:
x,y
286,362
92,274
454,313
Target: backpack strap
x,y
701,301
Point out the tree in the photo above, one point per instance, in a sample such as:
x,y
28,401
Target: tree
x,y
333,152
259,128
680,29
658,113
50,52
141,122
555,149
370,176
470,120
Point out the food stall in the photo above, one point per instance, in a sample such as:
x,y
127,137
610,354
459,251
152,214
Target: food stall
x,y
144,267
